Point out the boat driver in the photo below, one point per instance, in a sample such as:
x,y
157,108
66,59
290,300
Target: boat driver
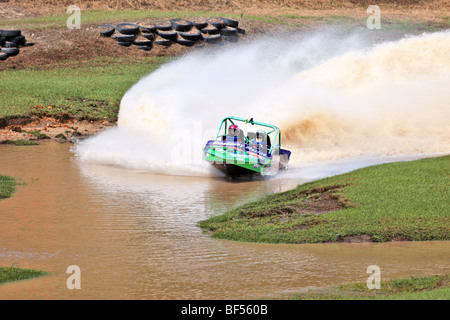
x,y
260,142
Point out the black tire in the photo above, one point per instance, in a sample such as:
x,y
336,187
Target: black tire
x,y
163,25
10,45
181,24
2,41
163,42
230,22
10,33
128,28
147,29
145,48
217,22
29,44
240,30
124,43
124,38
3,56
230,32
185,42
19,40
144,43
200,25
169,35
11,51
148,36
213,30
213,39
191,36
109,30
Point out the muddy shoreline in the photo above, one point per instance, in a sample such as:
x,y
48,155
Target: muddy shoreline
x,y
57,128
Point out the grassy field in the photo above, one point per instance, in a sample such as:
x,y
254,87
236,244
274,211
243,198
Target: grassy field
x,y
7,186
414,288
396,201
9,274
91,92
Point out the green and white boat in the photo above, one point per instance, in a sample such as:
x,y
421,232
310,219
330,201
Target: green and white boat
x,y
246,147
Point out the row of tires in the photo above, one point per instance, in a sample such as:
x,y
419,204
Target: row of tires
x,y
10,43
179,31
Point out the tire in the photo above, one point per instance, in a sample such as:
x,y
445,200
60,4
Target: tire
x,y
215,23
169,35
145,43
128,28
148,30
181,24
200,25
210,31
148,36
10,51
145,48
163,42
3,56
240,30
230,22
163,25
124,43
2,41
191,36
214,39
10,33
230,32
124,38
109,30
29,44
185,42
10,45
19,40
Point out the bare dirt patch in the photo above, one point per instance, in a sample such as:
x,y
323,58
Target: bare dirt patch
x,y
63,129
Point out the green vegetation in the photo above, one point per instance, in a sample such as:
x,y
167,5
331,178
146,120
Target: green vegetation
x,y
7,186
396,201
414,288
8,274
90,93
20,142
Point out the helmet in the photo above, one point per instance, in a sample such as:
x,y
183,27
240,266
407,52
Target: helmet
x,y
261,135
233,130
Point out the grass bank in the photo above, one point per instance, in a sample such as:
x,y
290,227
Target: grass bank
x,y
92,92
396,201
411,288
7,186
9,274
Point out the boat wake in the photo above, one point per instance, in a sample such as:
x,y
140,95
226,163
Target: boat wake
x,y
334,97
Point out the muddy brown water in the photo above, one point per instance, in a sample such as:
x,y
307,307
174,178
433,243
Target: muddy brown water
x,y
134,235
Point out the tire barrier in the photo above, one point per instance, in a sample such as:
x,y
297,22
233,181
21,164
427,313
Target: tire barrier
x,y
165,33
10,43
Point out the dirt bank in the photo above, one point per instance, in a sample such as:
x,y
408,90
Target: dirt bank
x,y
34,128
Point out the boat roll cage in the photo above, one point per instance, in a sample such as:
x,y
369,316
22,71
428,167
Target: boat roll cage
x,y
277,141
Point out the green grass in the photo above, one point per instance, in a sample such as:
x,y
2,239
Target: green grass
x,y
412,288
9,274
7,186
90,17
91,93
396,201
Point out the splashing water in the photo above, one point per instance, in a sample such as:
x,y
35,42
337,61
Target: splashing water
x,y
333,98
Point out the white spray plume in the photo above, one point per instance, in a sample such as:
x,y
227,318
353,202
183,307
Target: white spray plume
x,y
332,97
